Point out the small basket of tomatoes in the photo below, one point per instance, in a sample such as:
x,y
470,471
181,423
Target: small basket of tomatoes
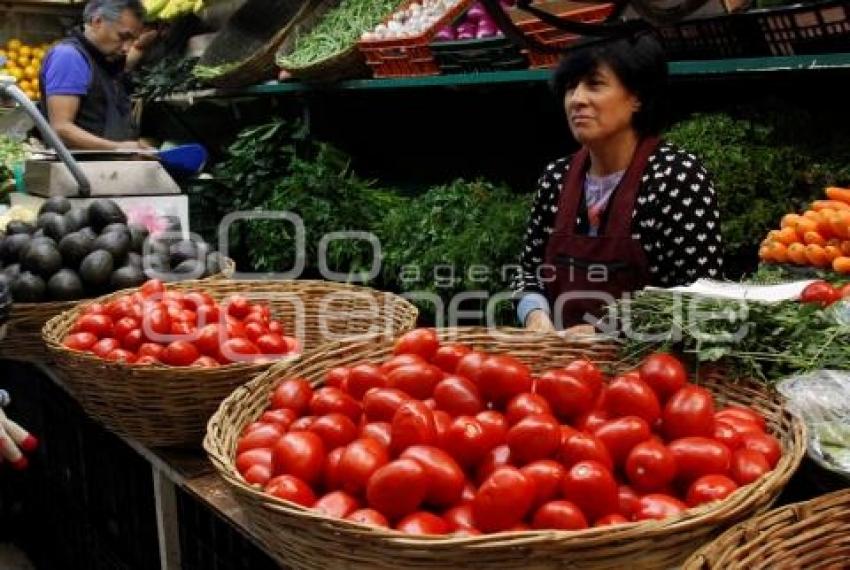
x,y
811,534
153,363
497,448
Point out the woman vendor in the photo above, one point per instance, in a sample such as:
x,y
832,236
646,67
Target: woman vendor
x,y
625,211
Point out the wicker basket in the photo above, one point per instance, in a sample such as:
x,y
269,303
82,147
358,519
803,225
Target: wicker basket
x,y
169,406
301,538
346,64
810,535
258,64
23,338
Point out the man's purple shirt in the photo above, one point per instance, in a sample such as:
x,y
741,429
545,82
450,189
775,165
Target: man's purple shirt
x,y
66,72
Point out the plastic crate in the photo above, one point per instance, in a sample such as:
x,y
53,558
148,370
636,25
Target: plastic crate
x,y
734,35
553,37
487,54
804,29
411,56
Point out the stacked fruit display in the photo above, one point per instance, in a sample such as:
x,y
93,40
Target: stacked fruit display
x,y
156,326
70,253
445,439
23,62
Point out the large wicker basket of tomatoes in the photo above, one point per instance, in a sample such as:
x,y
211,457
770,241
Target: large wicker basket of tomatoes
x,y
154,363
500,448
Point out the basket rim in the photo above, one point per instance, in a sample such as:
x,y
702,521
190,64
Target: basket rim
x,y
695,517
280,61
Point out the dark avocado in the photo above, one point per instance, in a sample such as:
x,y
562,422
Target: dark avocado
x,y
43,259
116,227
155,247
88,232
13,246
138,235
191,268
182,251
65,285
96,268
56,227
134,260
12,271
155,264
19,227
116,243
77,218
46,217
56,204
28,288
126,277
103,212
74,247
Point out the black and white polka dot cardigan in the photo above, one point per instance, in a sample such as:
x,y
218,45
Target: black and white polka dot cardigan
x,y
675,219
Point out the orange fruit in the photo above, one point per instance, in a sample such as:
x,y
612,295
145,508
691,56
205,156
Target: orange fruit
x,y
797,254
805,225
811,214
814,238
764,253
787,236
777,252
839,223
832,252
789,220
841,264
25,50
845,248
13,44
816,256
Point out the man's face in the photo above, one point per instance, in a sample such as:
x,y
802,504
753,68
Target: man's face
x,y
114,39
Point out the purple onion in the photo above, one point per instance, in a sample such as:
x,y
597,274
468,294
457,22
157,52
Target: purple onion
x,y
466,29
446,34
476,12
486,32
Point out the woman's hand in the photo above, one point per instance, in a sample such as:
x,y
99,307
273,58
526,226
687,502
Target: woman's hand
x,y
539,321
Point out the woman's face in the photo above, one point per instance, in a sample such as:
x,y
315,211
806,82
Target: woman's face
x,y
599,106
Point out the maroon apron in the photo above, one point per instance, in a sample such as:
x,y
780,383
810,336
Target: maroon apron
x,y
587,271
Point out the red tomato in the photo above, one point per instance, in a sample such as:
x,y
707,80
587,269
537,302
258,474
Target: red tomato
x,y
79,341
458,396
469,491
359,461
423,342
132,340
121,355
180,353
257,475
710,488
281,417
611,520
739,425
331,477
698,456
369,517
300,453
233,328
182,330
276,327
272,345
124,326
98,325
151,349
327,400
628,501
469,365
650,466
581,447
363,378
336,430
568,396
591,421
591,487
156,324
338,377
293,393
104,346
443,421
559,515
664,373
820,293
418,380
253,331
336,504
448,356
413,424
587,372
495,458
468,441
495,425
743,414
658,506
399,361
291,489
630,396
381,404
547,476
147,360
526,404
765,444
726,434
503,500
422,523
302,424
379,431
209,339
238,307
459,517
566,433
264,436
503,377
293,346
259,456
689,413
621,435
94,309
398,488
445,477
152,287
537,436
239,350
748,466
207,314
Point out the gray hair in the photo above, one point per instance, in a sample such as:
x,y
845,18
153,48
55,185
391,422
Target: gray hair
x,y
111,10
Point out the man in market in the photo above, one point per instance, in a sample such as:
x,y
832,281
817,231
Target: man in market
x,y
83,80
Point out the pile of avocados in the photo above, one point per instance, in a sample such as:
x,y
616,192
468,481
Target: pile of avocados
x,y
75,253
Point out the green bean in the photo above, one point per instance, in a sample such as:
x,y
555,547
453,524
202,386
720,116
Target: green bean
x,y
338,30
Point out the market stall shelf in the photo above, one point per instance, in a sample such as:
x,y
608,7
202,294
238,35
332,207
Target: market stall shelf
x,y
158,405
293,533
